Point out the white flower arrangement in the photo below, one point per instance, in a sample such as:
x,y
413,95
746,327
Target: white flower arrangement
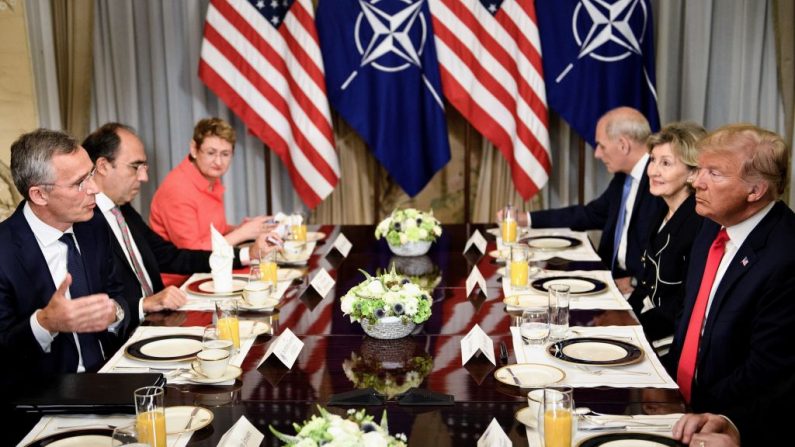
x,y
386,295
364,373
331,430
408,225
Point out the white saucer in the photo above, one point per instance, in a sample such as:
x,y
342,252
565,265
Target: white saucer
x,y
268,305
529,375
315,236
253,328
526,417
177,419
231,373
288,274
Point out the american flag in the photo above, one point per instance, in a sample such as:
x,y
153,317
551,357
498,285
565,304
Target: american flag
x,y
262,58
490,60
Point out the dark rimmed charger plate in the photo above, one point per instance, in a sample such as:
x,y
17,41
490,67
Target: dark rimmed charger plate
x,y
134,349
47,440
633,353
599,440
598,286
573,242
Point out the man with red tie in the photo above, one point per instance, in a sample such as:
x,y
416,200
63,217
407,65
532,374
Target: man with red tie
x,y
735,341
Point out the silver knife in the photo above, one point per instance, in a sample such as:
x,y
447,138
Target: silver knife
x,y
515,379
190,420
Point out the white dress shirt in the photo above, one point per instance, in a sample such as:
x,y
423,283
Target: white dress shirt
x,y
637,175
105,205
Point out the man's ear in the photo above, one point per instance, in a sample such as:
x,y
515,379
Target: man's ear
x,y
624,144
102,165
38,195
758,191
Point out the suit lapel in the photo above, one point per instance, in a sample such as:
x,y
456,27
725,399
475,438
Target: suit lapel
x,y
31,258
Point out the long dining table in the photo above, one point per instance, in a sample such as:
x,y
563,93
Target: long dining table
x,y
337,356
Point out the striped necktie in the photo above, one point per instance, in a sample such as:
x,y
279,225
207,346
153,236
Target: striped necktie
x,y
136,265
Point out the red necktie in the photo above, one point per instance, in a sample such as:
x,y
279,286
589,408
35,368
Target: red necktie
x,y
687,361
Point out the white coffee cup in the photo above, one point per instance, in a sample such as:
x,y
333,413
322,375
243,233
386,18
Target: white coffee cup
x,y
212,363
293,250
257,293
535,399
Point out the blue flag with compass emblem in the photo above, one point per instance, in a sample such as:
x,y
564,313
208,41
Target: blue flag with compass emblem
x,y
382,76
598,55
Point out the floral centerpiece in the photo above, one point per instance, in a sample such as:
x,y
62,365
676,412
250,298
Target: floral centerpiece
x,y
332,430
409,232
391,367
418,269
387,306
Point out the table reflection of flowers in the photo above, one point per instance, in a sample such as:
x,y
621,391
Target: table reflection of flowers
x,y
332,430
390,367
409,232
418,269
387,305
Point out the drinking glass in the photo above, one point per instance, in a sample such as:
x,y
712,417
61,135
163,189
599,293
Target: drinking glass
x,y
558,311
519,266
228,325
508,225
127,436
556,418
297,229
150,419
534,326
211,339
269,270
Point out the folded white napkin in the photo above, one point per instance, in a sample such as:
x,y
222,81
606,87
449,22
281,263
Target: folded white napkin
x,y
221,261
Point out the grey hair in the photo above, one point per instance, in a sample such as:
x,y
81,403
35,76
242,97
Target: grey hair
x,y
627,122
31,155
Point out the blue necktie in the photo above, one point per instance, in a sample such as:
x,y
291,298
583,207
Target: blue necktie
x,y
89,344
620,221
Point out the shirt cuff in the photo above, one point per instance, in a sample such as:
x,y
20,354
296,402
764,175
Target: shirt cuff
x,y
141,313
116,325
43,336
245,256
733,427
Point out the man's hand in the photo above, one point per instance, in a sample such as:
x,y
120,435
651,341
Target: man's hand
x,y
624,285
93,313
170,298
711,429
265,243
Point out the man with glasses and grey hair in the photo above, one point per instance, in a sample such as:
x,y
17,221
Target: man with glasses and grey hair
x,y
60,305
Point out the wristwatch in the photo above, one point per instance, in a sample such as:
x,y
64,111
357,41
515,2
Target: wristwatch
x,y
119,312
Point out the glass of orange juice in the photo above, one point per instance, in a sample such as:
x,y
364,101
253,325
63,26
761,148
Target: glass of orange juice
x,y
150,416
519,266
269,270
508,226
556,417
227,323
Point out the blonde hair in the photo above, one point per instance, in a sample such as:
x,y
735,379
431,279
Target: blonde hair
x,y
683,138
213,127
765,154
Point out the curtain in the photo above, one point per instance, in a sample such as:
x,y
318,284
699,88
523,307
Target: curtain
x,y
72,30
783,18
716,64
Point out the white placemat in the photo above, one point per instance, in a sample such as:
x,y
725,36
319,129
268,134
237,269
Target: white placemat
x,y
207,303
120,363
649,372
611,299
49,425
622,423
582,252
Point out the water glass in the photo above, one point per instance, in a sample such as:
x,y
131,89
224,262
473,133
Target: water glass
x,y
211,339
534,326
150,416
508,226
519,266
127,436
227,322
558,311
556,425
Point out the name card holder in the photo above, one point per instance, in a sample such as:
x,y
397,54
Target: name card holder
x,y
477,341
285,348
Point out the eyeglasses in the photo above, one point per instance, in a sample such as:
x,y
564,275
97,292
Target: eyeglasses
x,y
80,185
212,153
139,166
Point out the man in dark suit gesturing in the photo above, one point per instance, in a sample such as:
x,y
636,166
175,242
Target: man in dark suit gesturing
x,y
734,345
140,253
60,306
626,211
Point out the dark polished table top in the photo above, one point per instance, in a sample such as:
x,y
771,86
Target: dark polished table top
x,y
338,357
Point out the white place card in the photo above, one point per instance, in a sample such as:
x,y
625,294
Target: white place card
x,y
285,347
242,434
322,282
342,245
477,340
494,436
478,241
476,278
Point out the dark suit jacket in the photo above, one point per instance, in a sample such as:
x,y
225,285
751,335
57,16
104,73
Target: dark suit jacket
x,y
602,214
26,285
665,260
748,345
157,254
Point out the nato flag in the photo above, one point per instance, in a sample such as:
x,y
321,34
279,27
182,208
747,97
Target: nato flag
x,y
598,55
382,76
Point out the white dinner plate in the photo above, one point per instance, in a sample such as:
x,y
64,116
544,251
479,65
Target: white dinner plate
x,y
529,375
177,419
312,236
174,347
232,372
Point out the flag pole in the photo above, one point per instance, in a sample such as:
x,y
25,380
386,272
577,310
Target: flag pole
x,y
268,192
467,155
